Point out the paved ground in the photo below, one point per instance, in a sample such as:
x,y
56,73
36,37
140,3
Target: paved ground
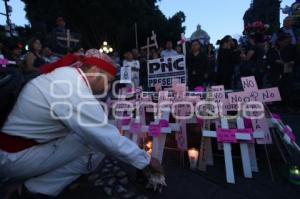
x,y
184,183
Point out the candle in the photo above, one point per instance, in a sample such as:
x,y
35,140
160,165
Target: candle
x,y
148,147
193,157
295,175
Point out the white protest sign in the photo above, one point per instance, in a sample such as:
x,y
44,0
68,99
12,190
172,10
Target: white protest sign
x,y
125,75
163,71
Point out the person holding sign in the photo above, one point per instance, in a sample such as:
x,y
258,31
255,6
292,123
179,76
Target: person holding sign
x,y
197,64
134,66
169,51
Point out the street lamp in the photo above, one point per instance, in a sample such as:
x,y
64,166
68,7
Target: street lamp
x,y
106,48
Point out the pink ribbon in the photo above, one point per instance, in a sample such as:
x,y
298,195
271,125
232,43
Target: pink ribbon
x,y
3,61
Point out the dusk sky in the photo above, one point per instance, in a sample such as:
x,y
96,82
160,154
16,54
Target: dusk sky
x,y
217,17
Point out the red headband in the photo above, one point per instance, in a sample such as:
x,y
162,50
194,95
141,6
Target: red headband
x,y
71,59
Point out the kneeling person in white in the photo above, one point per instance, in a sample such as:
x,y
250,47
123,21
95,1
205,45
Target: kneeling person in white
x,y
59,114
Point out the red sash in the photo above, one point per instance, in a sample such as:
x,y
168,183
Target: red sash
x,y
13,144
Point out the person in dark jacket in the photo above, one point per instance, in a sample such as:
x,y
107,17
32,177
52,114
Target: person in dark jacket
x,y
197,65
281,59
226,62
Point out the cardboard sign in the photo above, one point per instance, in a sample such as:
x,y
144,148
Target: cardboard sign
x,y
125,76
226,106
154,130
249,84
263,95
262,125
270,95
135,128
226,135
163,71
218,93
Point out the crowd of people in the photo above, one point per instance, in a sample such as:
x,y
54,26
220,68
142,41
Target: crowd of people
x,y
38,146
273,62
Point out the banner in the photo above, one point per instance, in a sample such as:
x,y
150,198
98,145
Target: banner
x,y
164,71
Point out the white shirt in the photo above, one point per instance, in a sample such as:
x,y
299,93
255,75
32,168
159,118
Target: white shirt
x,y
135,64
59,94
168,53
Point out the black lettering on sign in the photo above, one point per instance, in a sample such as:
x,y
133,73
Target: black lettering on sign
x,y
267,95
154,67
248,83
178,64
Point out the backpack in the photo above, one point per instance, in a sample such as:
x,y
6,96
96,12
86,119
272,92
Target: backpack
x,y
12,80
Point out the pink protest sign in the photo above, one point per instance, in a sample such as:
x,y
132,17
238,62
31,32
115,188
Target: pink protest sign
x,y
270,95
163,123
3,61
154,130
218,93
243,97
288,131
226,106
249,83
226,135
263,95
262,125
135,128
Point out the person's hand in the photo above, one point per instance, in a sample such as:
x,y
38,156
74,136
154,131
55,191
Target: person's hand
x,y
155,166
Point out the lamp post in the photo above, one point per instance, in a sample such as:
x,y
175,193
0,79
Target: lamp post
x,y
106,48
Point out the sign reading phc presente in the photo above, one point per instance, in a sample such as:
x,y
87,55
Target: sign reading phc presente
x,y
163,71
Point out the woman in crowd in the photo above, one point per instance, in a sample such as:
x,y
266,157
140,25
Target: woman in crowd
x,y
197,65
281,60
134,66
253,59
33,59
226,62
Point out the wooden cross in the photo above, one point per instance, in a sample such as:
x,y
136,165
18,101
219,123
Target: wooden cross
x,y
149,45
68,38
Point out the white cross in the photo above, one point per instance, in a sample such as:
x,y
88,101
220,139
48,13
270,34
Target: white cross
x,y
68,38
249,162
182,42
148,46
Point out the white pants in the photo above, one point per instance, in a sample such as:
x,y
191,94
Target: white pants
x,y
49,168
